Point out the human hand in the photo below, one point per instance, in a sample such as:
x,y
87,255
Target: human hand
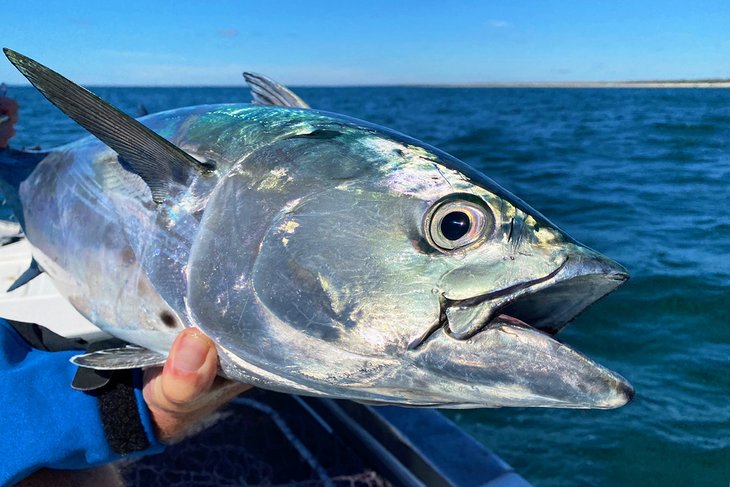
x,y
187,389
9,108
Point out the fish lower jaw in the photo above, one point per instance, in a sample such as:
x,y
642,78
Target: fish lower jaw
x,y
509,363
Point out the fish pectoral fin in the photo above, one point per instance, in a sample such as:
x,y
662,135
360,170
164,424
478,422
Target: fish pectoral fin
x,y
156,160
90,379
129,357
30,273
266,91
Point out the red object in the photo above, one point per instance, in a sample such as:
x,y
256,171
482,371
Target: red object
x,y
8,107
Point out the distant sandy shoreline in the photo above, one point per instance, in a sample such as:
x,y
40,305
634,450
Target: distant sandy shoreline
x,y
504,84
591,84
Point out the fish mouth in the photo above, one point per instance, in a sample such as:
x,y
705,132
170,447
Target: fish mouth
x,y
498,349
548,303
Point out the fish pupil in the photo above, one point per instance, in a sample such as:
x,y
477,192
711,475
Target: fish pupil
x,y
455,225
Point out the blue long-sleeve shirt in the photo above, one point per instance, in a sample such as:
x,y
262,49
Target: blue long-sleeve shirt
x,y
46,423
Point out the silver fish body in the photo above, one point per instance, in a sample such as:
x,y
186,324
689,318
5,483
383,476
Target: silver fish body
x,y
318,257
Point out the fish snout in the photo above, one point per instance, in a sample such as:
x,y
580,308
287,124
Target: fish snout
x,y
547,302
585,277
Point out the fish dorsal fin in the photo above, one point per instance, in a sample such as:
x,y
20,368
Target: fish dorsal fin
x,y
266,91
142,110
120,358
156,160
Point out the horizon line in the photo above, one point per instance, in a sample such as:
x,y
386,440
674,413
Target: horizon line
x,y
683,83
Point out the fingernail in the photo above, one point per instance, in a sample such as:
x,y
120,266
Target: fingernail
x,y
191,352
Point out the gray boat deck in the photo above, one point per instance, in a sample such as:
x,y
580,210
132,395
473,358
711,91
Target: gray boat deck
x,y
264,438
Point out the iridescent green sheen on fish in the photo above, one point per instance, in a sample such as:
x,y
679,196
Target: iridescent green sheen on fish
x,y
324,256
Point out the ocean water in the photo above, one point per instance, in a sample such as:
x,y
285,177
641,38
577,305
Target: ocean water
x,y
642,175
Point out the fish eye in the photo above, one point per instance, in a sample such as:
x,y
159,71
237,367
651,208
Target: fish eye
x,y
457,223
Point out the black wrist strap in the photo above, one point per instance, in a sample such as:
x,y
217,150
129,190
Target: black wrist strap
x,y
120,414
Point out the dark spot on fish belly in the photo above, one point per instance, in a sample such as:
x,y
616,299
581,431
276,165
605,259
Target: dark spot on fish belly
x,y
128,256
168,319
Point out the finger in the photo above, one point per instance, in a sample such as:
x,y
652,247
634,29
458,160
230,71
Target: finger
x,y
9,107
8,117
6,133
224,390
188,373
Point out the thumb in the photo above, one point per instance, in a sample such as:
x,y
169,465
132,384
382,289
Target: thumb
x,y
186,389
188,373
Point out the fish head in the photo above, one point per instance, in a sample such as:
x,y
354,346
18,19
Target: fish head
x,y
389,271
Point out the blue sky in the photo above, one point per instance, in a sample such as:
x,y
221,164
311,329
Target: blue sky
x,y
312,42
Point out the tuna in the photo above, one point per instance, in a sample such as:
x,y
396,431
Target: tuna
x,y
324,255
